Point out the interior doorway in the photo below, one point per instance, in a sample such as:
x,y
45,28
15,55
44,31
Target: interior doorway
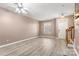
x,y
61,25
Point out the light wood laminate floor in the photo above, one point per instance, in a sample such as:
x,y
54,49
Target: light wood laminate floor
x,y
38,47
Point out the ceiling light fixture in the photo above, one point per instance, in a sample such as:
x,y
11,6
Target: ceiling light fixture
x,y
62,13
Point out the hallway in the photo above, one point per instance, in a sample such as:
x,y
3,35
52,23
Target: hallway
x,y
38,47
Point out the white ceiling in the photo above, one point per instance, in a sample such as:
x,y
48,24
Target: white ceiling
x,y
45,11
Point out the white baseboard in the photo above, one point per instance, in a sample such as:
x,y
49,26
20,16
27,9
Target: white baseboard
x,y
76,52
17,42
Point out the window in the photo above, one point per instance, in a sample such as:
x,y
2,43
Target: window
x,y
47,27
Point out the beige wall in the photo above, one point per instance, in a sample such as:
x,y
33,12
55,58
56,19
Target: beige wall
x,y
76,22
14,27
70,21
77,34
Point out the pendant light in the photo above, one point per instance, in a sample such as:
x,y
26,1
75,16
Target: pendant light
x,y
62,13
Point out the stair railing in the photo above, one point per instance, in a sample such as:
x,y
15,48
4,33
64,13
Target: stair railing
x,y
70,35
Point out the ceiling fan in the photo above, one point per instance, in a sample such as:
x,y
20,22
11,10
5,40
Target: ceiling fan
x,y
21,9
